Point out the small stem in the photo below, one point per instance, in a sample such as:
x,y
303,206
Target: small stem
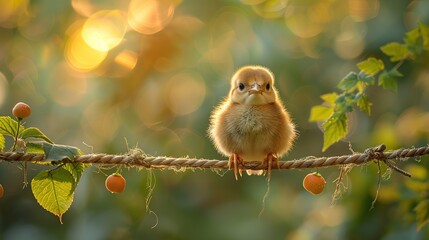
x,y
16,136
378,186
398,65
403,172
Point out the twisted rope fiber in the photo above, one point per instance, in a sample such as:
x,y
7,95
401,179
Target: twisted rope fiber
x,y
135,159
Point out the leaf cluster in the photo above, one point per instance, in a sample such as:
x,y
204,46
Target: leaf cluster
x,y
372,71
54,188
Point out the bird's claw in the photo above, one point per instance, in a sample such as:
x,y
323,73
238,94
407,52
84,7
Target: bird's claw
x,y
234,162
271,161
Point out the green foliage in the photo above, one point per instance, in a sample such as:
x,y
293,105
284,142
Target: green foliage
x,y
419,198
333,112
388,80
2,142
33,132
422,211
76,170
54,190
55,152
335,128
396,51
371,66
9,127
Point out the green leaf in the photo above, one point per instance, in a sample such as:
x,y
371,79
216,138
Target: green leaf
x,y
33,132
9,127
344,103
320,113
367,79
2,142
388,79
330,98
371,66
412,38
348,82
363,103
424,30
54,190
55,152
32,147
76,170
395,51
422,212
335,129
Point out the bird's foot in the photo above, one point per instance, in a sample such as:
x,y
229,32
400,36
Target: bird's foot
x,y
271,161
234,161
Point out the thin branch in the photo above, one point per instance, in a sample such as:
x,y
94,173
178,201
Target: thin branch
x,y
138,158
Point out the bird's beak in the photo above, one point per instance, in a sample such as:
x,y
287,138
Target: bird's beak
x,y
255,89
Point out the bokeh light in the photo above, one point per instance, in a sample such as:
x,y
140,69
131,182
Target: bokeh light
x,y
127,59
350,41
185,93
108,75
362,10
150,16
80,55
12,12
308,21
104,30
83,7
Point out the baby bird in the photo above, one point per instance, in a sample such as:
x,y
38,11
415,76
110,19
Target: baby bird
x,y
251,124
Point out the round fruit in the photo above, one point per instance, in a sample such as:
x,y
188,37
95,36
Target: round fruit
x,y
115,183
1,191
21,110
314,183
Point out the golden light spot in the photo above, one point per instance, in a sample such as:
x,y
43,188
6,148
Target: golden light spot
x,y
80,55
11,12
269,9
104,30
362,10
83,7
150,16
349,44
185,93
308,21
127,59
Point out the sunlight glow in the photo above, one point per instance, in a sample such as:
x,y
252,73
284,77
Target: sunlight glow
x,y
104,30
150,16
127,59
80,55
12,12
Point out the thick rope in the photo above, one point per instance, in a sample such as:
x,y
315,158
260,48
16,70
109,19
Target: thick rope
x,y
137,158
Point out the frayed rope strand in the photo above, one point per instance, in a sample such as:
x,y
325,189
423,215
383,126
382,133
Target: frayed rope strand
x,y
141,160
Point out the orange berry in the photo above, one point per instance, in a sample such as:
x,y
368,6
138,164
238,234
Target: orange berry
x,y
21,110
1,191
115,183
314,183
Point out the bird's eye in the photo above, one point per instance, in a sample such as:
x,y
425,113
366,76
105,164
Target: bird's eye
x,y
241,86
267,87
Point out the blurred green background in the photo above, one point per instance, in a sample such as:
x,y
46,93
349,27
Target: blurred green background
x,y
106,76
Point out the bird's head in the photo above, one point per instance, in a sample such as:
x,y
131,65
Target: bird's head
x,y
253,85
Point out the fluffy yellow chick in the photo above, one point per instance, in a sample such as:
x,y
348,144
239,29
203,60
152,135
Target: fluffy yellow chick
x,y
251,124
